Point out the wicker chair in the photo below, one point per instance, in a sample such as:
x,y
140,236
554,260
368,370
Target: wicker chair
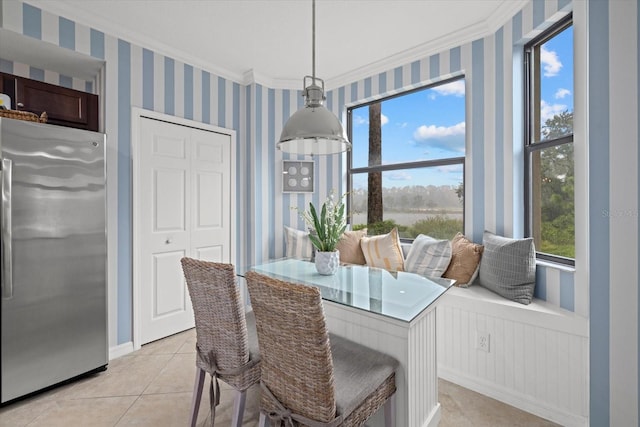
x,y
311,378
227,346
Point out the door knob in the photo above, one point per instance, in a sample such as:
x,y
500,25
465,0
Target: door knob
x,y
168,241
20,105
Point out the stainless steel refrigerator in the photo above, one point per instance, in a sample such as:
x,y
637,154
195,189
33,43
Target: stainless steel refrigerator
x,y
53,255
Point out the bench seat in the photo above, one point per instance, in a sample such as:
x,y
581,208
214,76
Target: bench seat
x,y
537,358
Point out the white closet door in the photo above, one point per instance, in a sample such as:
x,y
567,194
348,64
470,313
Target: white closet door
x,y
211,191
183,202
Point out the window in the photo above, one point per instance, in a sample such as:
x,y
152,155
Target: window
x,y
549,172
406,166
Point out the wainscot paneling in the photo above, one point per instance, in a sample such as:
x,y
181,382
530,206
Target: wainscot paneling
x,y
537,358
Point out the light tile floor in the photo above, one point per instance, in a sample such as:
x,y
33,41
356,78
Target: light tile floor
x,y
153,387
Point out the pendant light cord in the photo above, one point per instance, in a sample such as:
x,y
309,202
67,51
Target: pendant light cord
x,y
313,41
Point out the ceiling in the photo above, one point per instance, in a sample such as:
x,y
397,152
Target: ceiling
x,y
270,41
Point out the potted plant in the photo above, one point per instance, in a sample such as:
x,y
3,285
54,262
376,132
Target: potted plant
x,y
326,231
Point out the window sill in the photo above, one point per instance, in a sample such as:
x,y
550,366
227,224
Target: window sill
x,y
556,265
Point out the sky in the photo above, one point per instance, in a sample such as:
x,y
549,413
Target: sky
x,y
430,124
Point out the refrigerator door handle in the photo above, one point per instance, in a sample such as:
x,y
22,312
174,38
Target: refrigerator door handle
x,y
7,273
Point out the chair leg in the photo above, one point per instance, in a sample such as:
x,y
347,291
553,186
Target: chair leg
x,y
390,411
264,421
238,408
197,396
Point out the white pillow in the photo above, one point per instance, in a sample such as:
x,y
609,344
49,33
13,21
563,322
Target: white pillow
x,y
428,256
298,245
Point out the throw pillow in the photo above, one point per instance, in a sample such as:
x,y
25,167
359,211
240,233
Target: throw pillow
x,y
508,267
428,256
383,251
298,245
349,247
465,261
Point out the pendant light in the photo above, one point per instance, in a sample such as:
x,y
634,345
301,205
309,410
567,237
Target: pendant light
x,y
313,129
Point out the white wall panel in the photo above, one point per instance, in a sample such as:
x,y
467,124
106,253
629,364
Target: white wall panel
x,y
50,28
12,16
537,366
83,39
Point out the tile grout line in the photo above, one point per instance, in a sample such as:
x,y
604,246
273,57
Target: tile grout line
x,y
173,355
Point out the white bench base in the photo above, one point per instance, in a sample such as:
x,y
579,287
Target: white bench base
x,y
537,359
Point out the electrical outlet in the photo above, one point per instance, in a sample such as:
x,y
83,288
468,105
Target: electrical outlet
x,y
483,341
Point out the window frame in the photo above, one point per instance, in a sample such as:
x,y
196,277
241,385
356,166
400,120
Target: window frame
x,y
530,144
404,165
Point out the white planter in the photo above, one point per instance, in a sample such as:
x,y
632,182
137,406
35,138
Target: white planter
x,y
327,263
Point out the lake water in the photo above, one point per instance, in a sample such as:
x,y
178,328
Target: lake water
x,y
404,218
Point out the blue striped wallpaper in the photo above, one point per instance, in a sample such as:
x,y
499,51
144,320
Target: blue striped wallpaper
x,y
470,59
499,130
169,86
493,169
32,21
67,34
598,203
36,74
125,305
477,139
147,79
188,92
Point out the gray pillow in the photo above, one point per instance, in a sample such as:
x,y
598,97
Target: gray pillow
x,y
508,267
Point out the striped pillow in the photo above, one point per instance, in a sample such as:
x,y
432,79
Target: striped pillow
x,y
383,251
298,244
428,256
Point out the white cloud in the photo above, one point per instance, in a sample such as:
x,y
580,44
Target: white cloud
x,y
450,169
561,93
434,132
399,176
359,120
547,111
455,88
550,61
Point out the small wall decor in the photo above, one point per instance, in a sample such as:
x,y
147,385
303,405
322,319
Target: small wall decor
x,y
297,176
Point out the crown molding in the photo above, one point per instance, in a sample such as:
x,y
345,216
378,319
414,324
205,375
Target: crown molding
x,y
454,39
253,77
113,29
451,40
503,13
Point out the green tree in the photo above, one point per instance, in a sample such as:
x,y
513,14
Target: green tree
x,y
557,206
558,125
460,192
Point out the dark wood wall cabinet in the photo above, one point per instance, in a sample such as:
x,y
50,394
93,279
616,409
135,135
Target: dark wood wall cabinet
x,y
64,107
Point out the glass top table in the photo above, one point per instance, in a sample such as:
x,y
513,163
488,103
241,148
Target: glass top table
x,y
398,295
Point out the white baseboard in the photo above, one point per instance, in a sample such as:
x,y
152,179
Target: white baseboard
x,y
120,350
512,397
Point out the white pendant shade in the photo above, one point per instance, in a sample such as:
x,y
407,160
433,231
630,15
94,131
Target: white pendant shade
x,y
313,131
